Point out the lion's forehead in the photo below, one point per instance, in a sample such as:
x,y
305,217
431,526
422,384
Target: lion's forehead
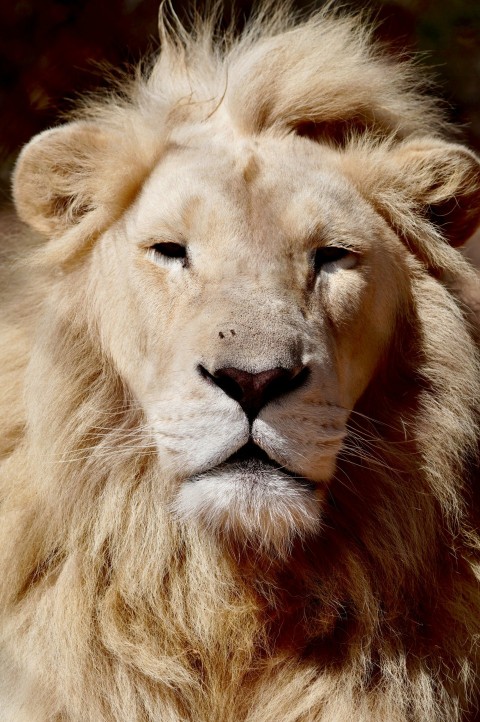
x,y
267,190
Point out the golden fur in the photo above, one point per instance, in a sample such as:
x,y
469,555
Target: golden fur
x,y
358,600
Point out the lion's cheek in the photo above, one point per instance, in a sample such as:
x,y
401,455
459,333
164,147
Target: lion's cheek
x,y
198,434
360,317
305,438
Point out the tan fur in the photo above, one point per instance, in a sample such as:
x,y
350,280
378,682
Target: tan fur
x,y
125,597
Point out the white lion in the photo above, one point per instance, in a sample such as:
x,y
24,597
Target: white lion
x,y
241,410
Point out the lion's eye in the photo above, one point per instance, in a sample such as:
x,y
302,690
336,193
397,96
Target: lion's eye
x,y
327,255
168,251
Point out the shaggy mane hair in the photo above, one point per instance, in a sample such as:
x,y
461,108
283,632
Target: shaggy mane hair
x,y
111,610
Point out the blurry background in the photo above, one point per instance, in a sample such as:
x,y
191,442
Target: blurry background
x,y
50,51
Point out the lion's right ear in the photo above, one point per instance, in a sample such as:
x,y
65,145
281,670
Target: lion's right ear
x,y
55,176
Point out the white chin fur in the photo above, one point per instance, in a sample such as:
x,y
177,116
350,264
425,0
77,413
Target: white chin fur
x,y
255,505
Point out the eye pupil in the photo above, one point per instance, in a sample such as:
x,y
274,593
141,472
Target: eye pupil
x,y
170,249
329,254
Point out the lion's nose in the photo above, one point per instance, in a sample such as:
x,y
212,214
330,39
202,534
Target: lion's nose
x,y
254,391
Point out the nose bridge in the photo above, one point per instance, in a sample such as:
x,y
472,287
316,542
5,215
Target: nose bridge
x,y
256,332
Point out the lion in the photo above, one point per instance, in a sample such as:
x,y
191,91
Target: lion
x,y
241,393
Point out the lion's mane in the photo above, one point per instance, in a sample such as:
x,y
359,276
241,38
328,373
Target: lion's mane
x,y
110,609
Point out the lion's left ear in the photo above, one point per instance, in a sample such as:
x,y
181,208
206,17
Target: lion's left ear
x,y
442,180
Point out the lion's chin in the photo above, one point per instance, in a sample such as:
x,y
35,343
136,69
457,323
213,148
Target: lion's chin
x,y
252,502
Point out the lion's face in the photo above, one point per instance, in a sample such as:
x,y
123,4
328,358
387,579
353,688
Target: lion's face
x,y
243,298
243,278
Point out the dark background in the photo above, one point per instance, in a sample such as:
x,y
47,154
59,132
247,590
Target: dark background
x,y
50,51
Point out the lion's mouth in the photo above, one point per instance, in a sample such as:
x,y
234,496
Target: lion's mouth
x,y
250,458
252,496
250,452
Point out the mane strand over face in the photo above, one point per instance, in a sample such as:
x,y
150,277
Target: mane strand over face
x,y
240,435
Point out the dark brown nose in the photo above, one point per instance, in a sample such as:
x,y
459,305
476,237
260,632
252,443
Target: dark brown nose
x,y
254,391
